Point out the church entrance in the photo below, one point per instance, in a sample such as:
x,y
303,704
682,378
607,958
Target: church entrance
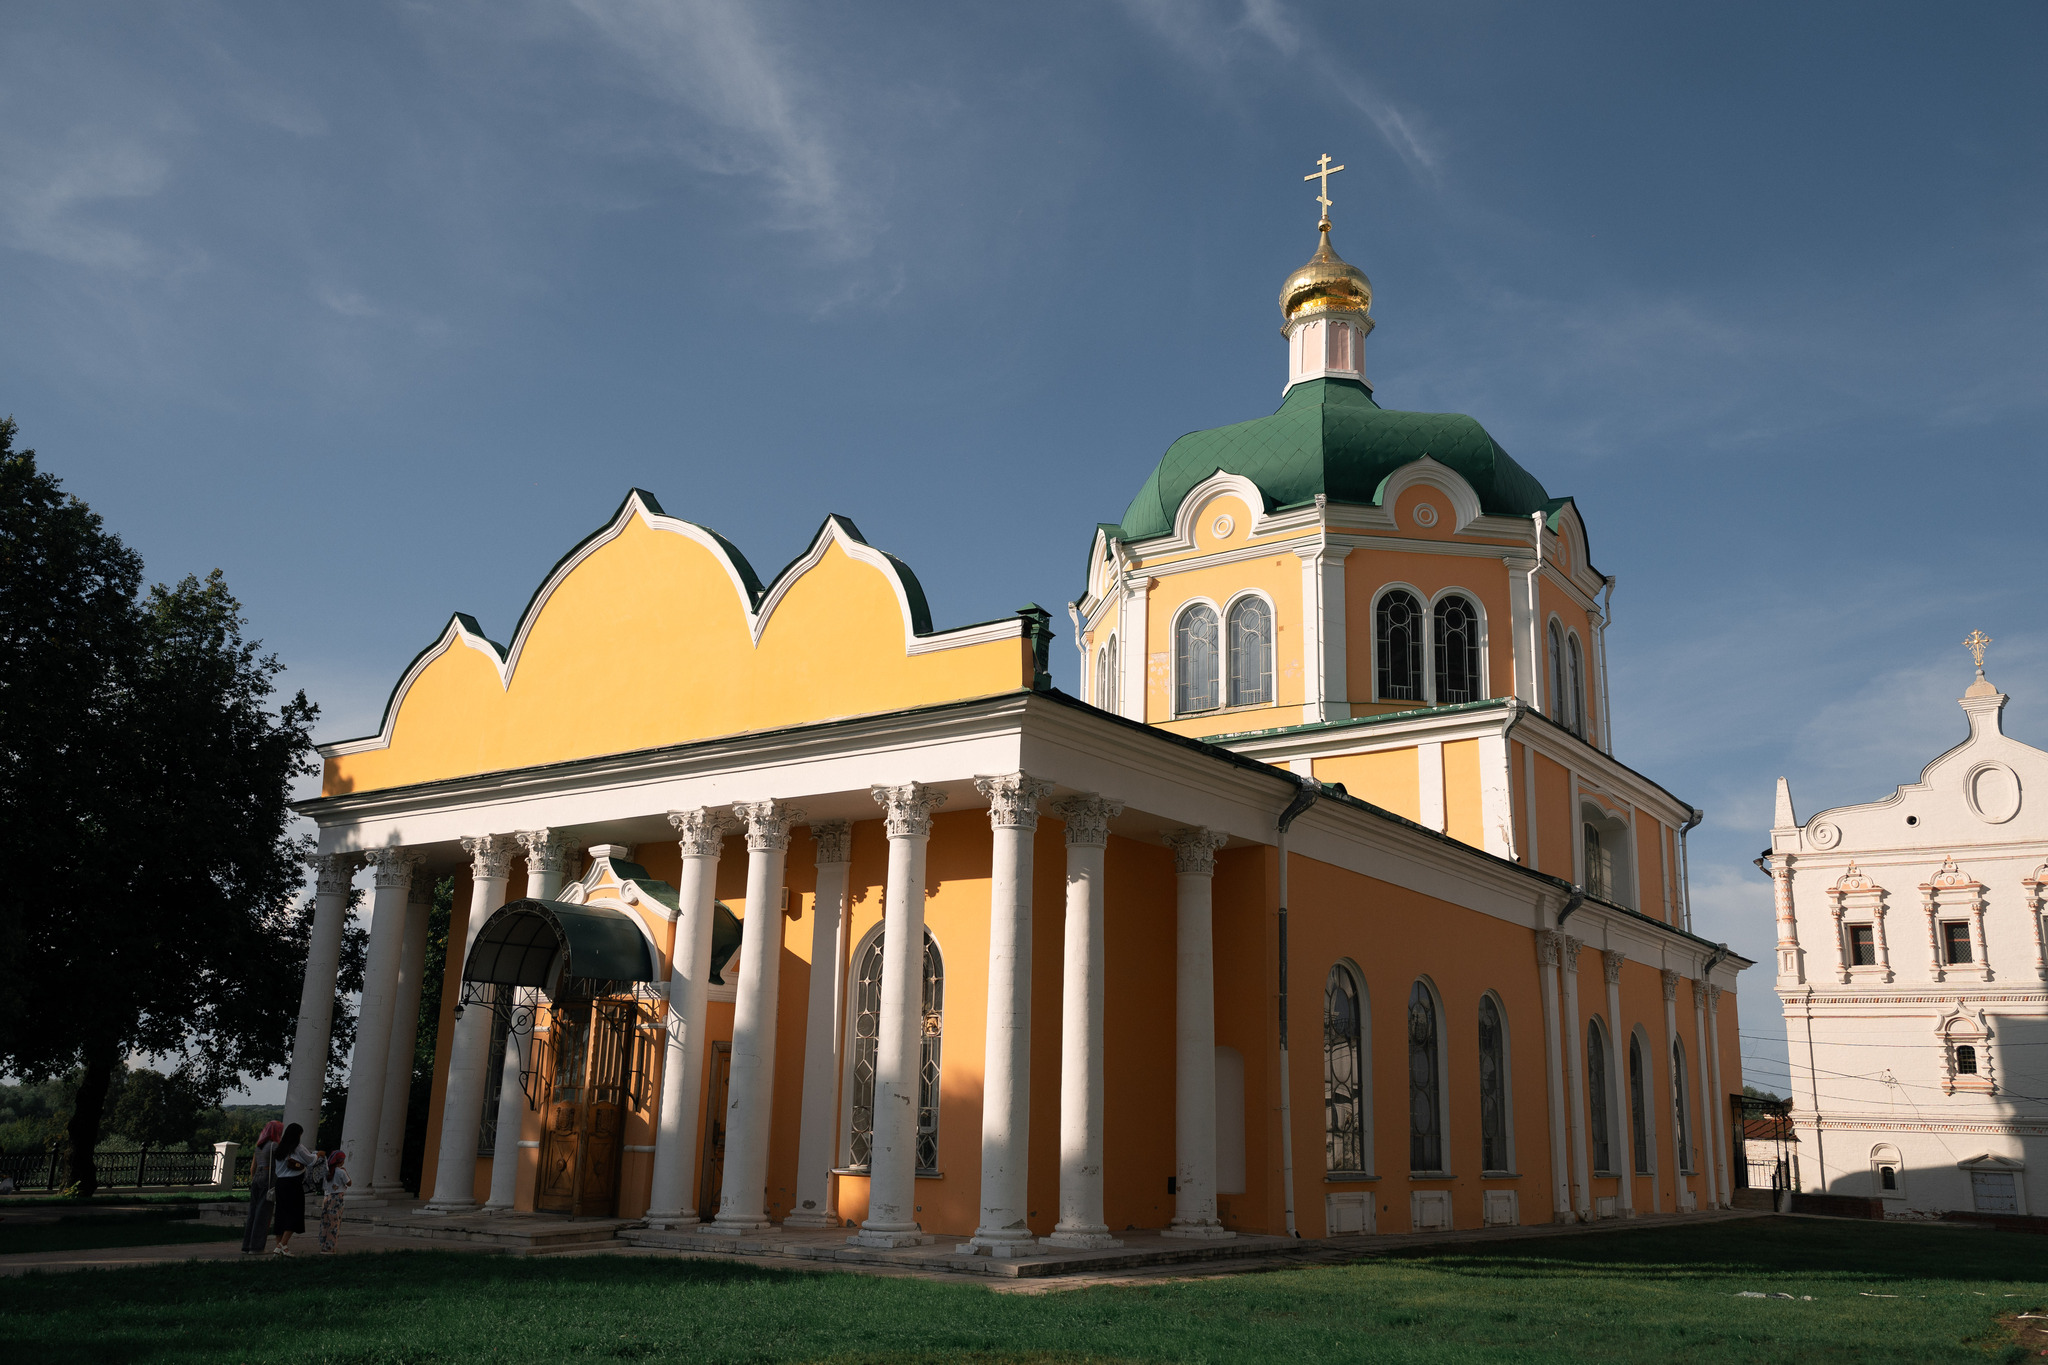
x,y
712,1182
584,1078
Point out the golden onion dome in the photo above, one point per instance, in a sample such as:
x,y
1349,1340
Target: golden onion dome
x,y
1327,284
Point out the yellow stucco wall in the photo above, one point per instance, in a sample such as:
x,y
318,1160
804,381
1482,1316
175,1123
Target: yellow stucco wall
x,y
1391,779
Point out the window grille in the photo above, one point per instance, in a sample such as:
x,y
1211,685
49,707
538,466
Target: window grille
x,y
1599,866
1638,1111
1597,1097
1575,687
1684,1131
1195,658
1457,651
1493,1087
1966,1060
1397,630
494,1074
867,1028
1425,1110
1251,652
1862,946
1343,1073
1888,1177
1955,936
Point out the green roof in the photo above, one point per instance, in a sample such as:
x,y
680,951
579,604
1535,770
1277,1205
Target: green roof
x,y
1329,437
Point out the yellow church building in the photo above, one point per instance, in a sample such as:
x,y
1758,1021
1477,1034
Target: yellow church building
x,y
1326,909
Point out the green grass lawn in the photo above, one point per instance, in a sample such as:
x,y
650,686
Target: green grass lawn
x,y
1655,1295
85,1231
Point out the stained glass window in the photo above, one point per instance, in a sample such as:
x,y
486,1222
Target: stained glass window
x,y
1638,1111
1343,1073
1425,1107
1596,1096
1195,660
1493,1087
1251,652
1397,647
867,1028
1684,1138
1457,651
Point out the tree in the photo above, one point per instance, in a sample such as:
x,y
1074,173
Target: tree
x,y
164,920
157,1110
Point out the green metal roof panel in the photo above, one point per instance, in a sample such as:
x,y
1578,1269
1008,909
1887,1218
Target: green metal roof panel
x,y
519,941
1329,437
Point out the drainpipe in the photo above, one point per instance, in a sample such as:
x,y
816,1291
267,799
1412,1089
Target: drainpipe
x,y
1606,699
1507,759
1123,635
1685,864
1536,617
1304,797
1081,646
1578,898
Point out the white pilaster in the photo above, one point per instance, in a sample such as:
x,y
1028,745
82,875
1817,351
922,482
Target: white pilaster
x,y
1549,949
308,1080
1575,1079
1724,1187
391,874
547,855
1611,963
1524,622
899,1044
1325,685
1006,1067
672,1199
1429,761
1707,1162
405,1032
818,1128
462,1102
1680,1139
1496,794
1081,1006
743,1200
1136,695
1194,1019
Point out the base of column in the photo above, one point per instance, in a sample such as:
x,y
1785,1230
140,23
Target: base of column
x,y
1082,1239
823,1218
669,1222
891,1238
449,1206
1207,1231
1004,1244
737,1226
495,1207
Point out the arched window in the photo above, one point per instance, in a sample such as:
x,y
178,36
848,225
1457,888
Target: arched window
x,y
1456,646
1195,659
1493,1088
1683,1137
1557,708
1966,1060
1343,1072
1425,1094
1105,676
1251,652
1575,687
867,1029
1596,1095
1599,865
1638,1109
1397,647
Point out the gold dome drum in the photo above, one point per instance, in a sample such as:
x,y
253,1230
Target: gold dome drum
x,y
1327,284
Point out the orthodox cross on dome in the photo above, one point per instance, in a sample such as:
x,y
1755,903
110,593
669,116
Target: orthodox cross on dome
x,y
1975,642
1324,170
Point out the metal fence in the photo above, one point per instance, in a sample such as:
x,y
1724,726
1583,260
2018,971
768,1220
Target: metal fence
x,y
141,1169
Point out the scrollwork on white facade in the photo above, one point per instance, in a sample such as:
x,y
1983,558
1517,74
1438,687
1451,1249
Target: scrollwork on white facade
x,y
391,868
907,809
766,824
1087,817
332,872
834,839
701,832
1012,799
547,850
1611,961
490,856
1194,850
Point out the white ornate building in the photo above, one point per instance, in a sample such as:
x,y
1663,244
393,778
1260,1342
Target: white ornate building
x,y
1914,981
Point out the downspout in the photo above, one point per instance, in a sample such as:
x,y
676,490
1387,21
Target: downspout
x,y
1685,865
1577,899
1304,797
1123,636
1606,699
1081,647
1507,759
1536,619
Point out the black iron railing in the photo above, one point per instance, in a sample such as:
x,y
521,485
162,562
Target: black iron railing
x,y
49,1171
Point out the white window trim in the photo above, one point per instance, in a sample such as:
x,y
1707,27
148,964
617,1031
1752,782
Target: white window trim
x,y
1223,660
1429,643
1507,1081
1596,1023
1373,628
1173,657
1443,1066
1371,1171
1879,1159
852,1014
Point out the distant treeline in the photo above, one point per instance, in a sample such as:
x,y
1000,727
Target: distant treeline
x,y
144,1108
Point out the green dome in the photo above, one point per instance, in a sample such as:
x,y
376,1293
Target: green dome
x,y
1329,437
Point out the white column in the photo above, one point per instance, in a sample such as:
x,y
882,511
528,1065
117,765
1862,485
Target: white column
x,y
1133,642
1325,687
1549,948
391,874
1702,1071
547,853
1194,1033
1722,1183
899,1044
1617,1081
672,1200
1006,1067
308,1080
750,1106
1575,1079
816,1203
1081,1005
1679,1137
405,1032
462,1102
1791,971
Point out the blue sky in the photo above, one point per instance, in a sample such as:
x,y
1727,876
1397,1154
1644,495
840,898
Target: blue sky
x,y
379,308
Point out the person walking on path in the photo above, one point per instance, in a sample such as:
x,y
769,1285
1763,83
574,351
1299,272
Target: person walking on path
x,y
333,1185
256,1231
288,1179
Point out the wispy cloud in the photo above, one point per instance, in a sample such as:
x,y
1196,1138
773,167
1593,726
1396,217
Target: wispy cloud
x,y
54,189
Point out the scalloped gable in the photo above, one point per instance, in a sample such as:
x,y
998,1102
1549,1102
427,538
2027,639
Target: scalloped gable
x,y
656,631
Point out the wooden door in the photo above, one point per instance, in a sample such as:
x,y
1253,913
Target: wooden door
x,y
712,1183
604,1106
564,1067
583,1115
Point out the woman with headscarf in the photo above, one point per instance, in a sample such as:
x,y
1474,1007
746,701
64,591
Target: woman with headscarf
x,y
256,1231
333,1185
288,1181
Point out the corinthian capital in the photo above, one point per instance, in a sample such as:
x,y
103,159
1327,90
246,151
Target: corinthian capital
x,y
1012,799
834,839
766,823
490,856
1610,961
332,872
547,850
1670,985
1194,850
1549,947
907,810
391,867
1571,953
1713,995
1087,817
701,832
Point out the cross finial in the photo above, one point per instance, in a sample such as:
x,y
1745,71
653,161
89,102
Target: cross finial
x,y
1324,170
1975,642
